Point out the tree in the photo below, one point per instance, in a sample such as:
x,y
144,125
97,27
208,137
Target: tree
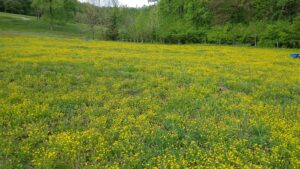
x,y
230,11
277,34
197,13
94,16
112,32
254,22
26,5
253,32
127,30
13,6
2,7
16,6
56,9
295,34
38,8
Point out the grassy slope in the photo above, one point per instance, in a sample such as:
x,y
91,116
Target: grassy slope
x,y
68,103
29,25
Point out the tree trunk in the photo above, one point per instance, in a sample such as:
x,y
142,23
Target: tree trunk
x,y
51,15
93,31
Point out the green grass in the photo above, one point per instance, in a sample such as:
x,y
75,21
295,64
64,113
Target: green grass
x,y
29,25
71,103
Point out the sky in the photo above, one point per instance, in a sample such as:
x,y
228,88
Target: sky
x,y
130,3
134,3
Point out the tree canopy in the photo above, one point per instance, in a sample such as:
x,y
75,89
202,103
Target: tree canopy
x,y
254,22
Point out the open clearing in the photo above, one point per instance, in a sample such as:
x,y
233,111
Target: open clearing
x,y
29,25
70,103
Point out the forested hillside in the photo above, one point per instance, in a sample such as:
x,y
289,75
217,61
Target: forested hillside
x,y
272,23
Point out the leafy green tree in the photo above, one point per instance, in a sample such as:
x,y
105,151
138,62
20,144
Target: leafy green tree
x,y
272,10
253,32
113,20
2,7
56,9
13,6
295,32
93,16
127,30
112,32
277,34
16,6
197,13
146,24
233,11
200,21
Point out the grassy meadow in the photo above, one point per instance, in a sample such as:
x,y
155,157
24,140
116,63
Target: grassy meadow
x,y
28,25
71,103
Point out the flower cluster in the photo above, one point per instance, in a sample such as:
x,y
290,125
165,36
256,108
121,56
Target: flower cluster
x,y
69,103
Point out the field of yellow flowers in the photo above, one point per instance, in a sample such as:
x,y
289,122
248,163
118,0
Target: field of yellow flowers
x,y
70,103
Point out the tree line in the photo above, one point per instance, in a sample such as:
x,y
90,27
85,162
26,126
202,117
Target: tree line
x,y
254,22
272,23
16,6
